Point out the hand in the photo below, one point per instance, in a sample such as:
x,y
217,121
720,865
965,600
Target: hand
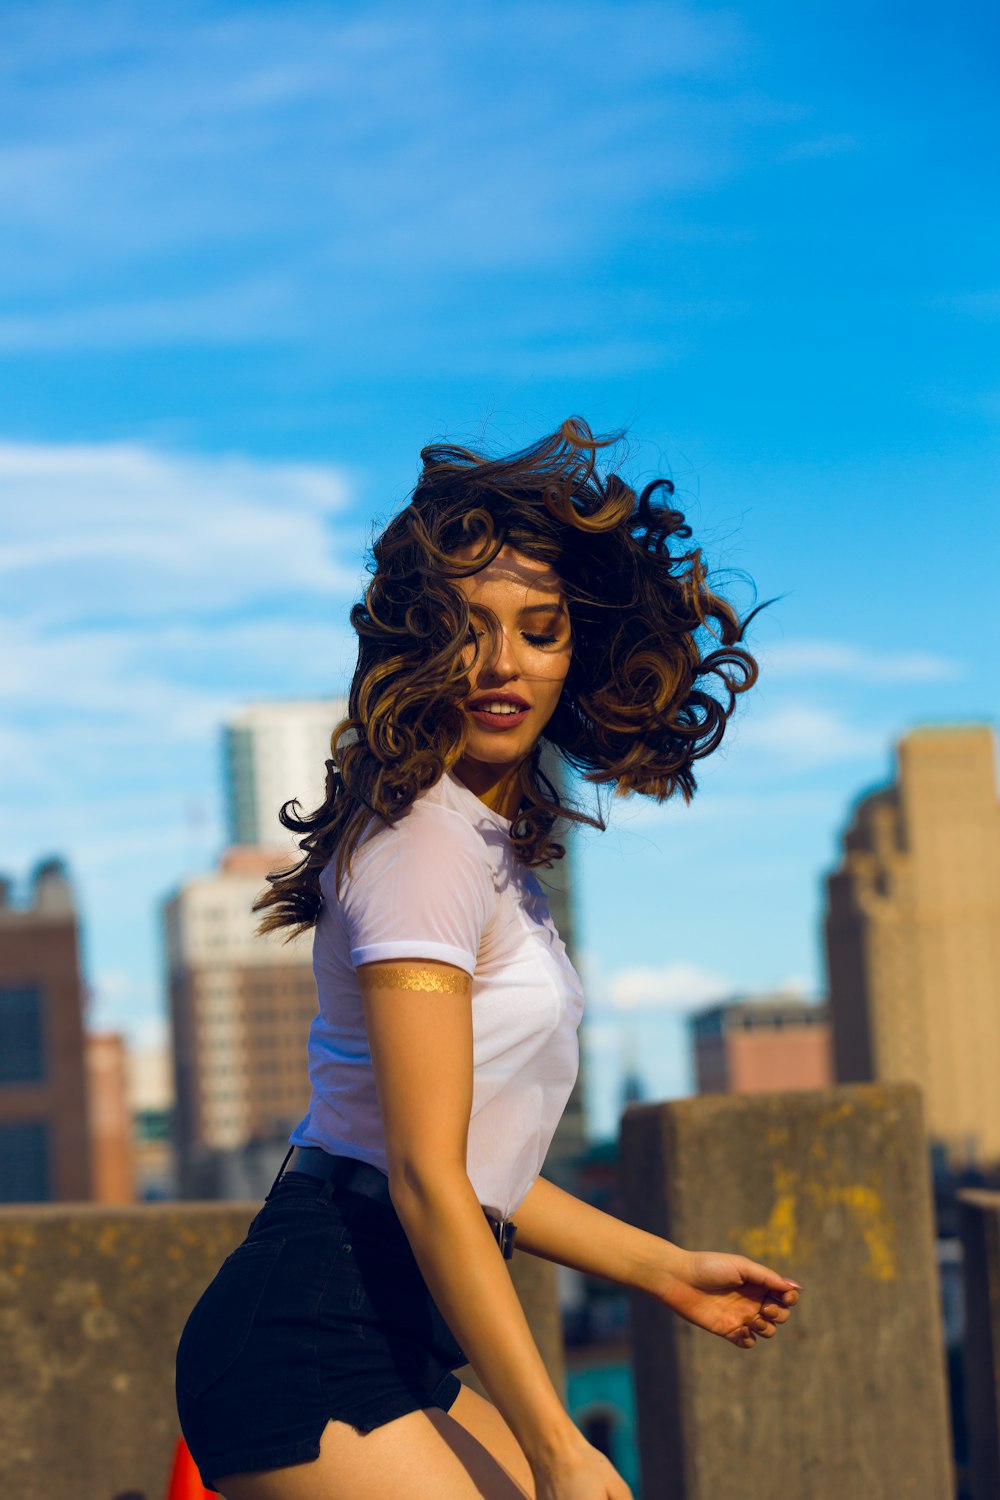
x,y
578,1472
730,1295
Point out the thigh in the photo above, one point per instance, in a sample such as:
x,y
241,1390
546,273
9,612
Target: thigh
x,y
424,1455
481,1418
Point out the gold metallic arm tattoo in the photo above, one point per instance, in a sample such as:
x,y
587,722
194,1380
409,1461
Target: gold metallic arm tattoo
x,y
437,981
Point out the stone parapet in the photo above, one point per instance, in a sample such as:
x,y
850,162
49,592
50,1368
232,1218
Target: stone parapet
x,y
830,1187
92,1303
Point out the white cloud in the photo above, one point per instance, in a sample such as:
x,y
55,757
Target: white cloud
x,y
804,736
677,987
181,678
230,313
121,529
714,804
143,596
673,988
814,659
795,985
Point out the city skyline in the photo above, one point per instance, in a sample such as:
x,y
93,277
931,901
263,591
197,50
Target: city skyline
x,y
233,314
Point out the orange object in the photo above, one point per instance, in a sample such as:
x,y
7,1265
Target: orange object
x,y
185,1481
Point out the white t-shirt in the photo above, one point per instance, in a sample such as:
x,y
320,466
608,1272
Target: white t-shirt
x,y
442,883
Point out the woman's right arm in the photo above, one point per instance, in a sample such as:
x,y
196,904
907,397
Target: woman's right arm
x,y
418,1015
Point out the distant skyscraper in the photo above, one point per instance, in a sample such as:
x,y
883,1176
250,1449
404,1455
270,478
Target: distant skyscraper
x,y
112,1164
44,1128
240,1007
913,936
275,752
754,1044
150,1081
570,1140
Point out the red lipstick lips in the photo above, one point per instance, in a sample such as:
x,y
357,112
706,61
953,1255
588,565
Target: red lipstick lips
x,y
509,711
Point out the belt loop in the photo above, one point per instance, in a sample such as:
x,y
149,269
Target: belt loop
x,y
326,1191
281,1173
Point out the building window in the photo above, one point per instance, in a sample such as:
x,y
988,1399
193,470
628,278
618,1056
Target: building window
x,y
24,1163
22,1057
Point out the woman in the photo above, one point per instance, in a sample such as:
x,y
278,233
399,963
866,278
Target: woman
x,y
515,603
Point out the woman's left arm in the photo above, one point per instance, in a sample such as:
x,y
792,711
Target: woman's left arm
x,y
725,1293
553,1224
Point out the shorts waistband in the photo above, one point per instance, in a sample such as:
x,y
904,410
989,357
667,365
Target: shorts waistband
x,y
361,1177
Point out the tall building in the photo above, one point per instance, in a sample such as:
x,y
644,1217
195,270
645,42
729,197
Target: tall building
x,y
570,1140
752,1045
240,1008
913,937
44,1127
275,752
150,1083
112,1163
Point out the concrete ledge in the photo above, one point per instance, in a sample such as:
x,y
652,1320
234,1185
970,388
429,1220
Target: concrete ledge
x,y
832,1188
92,1303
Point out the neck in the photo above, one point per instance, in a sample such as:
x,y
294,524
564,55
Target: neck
x,y
496,786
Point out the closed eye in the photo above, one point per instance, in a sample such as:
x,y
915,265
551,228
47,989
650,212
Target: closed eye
x,y
540,640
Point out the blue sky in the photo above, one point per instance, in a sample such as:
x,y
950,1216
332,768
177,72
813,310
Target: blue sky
x,y
256,255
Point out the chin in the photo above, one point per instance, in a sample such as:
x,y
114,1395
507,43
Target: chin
x,y
492,755
489,752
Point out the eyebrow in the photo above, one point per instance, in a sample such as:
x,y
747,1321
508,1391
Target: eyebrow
x,y
547,609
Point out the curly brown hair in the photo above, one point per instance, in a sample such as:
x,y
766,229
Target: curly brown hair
x,y
630,712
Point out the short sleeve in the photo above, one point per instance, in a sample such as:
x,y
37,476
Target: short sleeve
x,y
421,889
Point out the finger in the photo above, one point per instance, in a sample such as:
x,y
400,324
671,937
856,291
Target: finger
x,y
762,1327
784,1299
755,1272
775,1314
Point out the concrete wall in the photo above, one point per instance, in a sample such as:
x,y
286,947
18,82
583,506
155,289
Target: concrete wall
x,y
92,1303
979,1227
832,1188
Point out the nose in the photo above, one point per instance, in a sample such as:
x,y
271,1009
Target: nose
x,y
499,662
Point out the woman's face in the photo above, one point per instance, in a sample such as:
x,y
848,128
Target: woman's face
x,y
519,674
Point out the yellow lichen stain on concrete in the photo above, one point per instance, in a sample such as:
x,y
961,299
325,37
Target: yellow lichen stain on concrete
x,y
841,1111
775,1240
867,1209
780,1240
107,1239
17,1238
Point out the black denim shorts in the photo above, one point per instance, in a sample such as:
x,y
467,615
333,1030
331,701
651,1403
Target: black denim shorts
x,y
321,1312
